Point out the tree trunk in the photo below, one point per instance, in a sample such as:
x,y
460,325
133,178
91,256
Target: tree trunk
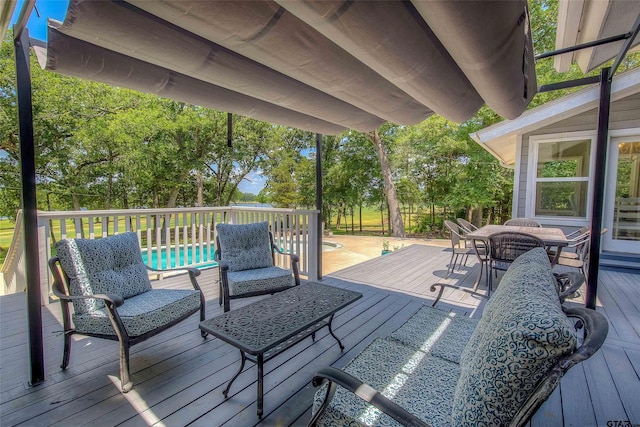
x,y
353,231
389,186
476,216
76,207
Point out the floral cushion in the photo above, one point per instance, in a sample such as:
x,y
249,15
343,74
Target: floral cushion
x,y
436,332
525,333
259,280
409,377
245,246
142,313
109,265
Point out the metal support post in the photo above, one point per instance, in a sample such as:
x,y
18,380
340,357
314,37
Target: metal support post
x,y
319,204
29,207
597,199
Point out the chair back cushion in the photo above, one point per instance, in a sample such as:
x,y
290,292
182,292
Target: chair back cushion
x,y
245,246
109,265
523,334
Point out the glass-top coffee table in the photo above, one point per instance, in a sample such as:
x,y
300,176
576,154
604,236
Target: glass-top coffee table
x,y
266,328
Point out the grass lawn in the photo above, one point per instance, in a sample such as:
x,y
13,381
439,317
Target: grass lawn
x,y
6,234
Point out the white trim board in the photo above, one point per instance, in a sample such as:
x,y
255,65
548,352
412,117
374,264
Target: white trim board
x,y
500,138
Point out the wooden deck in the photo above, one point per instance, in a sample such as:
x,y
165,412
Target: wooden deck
x,y
179,377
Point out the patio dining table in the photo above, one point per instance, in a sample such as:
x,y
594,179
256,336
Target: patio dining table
x,y
552,237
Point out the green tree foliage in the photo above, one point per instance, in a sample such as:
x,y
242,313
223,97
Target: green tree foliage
x,y
101,147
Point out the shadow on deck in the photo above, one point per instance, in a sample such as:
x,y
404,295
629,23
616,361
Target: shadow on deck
x,y
179,377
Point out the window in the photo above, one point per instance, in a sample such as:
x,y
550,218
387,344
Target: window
x,y
561,184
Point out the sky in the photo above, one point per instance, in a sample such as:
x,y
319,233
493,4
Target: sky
x,y
37,25
57,9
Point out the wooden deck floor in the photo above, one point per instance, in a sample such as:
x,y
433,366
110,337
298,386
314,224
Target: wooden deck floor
x,y
179,377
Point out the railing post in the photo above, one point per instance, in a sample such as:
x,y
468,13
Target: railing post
x,y
314,241
44,253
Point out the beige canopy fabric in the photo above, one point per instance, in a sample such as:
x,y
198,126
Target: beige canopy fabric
x,y
322,66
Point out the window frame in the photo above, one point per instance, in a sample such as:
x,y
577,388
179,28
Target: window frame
x,y
535,141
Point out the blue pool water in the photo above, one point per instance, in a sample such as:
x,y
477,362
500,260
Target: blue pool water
x,y
204,258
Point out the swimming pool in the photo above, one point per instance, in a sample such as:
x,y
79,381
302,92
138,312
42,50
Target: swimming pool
x,y
204,258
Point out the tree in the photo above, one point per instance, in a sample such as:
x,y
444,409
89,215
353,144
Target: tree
x,y
387,175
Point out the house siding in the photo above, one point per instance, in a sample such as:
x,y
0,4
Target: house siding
x,y
624,114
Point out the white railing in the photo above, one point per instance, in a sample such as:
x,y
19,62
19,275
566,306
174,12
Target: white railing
x,y
180,237
12,279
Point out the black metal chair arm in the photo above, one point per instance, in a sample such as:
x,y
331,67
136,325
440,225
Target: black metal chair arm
x,y
363,391
294,257
596,328
115,300
224,266
458,288
568,284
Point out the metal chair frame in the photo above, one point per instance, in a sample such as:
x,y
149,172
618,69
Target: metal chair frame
x,y
505,247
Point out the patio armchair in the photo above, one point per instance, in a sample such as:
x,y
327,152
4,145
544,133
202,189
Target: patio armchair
x,y
523,222
246,254
505,247
108,285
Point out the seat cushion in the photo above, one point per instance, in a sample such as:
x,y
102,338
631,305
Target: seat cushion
x,y
418,382
511,349
530,272
436,332
259,280
109,265
245,246
142,313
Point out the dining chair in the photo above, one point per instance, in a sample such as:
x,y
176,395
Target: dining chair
x,y
523,222
505,247
466,225
573,250
458,245
580,261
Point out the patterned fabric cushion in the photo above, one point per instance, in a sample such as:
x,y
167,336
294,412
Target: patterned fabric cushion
x,y
524,336
436,332
109,265
142,313
411,378
259,280
245,246
530,272
537,256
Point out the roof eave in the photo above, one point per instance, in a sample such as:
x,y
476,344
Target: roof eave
x,y
552,112
6,12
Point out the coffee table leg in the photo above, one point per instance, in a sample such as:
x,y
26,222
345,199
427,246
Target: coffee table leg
x,y
260,363
243,359
334,335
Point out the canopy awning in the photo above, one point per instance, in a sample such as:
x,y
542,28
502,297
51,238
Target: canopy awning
x,y
322,66
582,21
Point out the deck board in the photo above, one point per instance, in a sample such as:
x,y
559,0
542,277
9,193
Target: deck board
x,y
179,377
